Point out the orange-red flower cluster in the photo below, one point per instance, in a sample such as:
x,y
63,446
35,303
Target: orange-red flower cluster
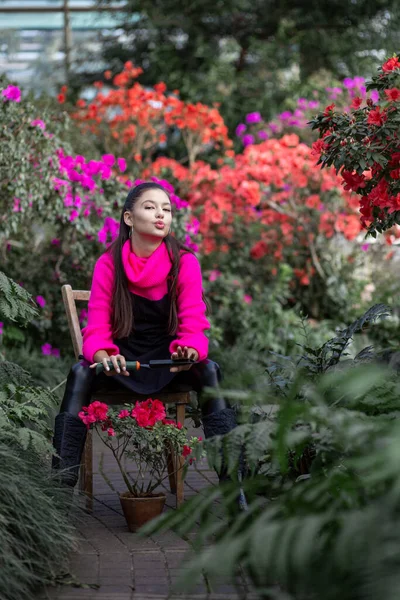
x,y
275,184
130,116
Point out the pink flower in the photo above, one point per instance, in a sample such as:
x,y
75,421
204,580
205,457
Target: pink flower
x,y
46,349
55,352
214,275
108,159
248,299
56,242
248,139
364,247
111,432
121,164
12,93
124,414
254,117
200,439
1,327
17,205
83,315
38,123
41,301
240,129
74,215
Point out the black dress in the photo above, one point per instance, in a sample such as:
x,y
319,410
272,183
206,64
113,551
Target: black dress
x,y
148,340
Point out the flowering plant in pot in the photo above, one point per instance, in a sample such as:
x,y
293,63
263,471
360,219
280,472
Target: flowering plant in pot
x,y
142,435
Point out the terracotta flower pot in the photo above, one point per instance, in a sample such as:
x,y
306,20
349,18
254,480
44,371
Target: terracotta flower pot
x,y
138,511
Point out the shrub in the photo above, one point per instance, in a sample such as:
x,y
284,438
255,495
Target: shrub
x,y
322,442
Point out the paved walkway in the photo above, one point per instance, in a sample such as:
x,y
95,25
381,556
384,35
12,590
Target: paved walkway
x,y
122,565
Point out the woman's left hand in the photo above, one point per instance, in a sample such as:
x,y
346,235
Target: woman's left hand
x,y
184,353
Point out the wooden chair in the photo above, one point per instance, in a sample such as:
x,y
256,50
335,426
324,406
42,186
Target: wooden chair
x,y
178,396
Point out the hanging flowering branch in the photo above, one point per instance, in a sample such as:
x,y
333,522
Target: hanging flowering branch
x,y
364,147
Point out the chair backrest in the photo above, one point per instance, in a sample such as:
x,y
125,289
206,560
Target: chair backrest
x,y
69,297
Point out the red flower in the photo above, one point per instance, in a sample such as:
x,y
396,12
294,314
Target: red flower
x,y
376,117
94,413
318,148
353,181
259,250
61,98
169,422
123,414
328,110
186,451
111,432
391,64
148,413
393,94
357,101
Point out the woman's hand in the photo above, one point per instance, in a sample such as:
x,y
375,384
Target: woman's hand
x,y
102,357
184,353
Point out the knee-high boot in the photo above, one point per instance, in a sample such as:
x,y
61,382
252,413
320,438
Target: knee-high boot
x,y
70,431
217,416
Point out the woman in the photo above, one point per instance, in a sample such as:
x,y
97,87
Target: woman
x,y
146,303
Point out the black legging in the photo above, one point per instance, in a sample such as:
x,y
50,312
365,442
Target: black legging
x,y
82,382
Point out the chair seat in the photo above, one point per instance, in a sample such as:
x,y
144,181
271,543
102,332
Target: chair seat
x,y
169,395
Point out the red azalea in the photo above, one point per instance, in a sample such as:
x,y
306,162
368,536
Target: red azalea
x,y
357,101
391,64
318,148
376,117
259,250
99,410
169,422
149,412
123,414
393,94
186,451
61,98
328,110
353,181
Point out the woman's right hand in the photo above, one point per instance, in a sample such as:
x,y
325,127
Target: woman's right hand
x,y
102,357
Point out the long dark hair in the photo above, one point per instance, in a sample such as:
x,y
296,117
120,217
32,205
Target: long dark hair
x,y
122,321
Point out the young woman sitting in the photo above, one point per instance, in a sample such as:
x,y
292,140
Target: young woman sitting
x,y
146,303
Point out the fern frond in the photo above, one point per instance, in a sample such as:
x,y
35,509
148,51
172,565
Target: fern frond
x,y
16,304
12,373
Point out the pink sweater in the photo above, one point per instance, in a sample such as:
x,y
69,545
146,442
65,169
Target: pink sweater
x,y
147,277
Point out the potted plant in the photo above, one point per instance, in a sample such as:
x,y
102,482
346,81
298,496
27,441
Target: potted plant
x,y
140,433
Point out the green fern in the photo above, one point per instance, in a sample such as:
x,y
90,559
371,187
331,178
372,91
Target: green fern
x,y
327,533
24,416
16,304
12,373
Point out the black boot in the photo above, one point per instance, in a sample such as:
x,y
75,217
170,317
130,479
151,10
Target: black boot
x,y
69,440
221,423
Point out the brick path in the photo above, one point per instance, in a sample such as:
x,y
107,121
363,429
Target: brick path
x,y
124,566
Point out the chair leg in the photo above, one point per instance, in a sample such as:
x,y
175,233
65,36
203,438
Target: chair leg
x,y
179,461
171,472
86,473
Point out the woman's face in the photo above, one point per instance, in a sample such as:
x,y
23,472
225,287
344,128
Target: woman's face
x,y
151,214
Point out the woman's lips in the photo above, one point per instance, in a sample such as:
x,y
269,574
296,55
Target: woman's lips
x,y
159,225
